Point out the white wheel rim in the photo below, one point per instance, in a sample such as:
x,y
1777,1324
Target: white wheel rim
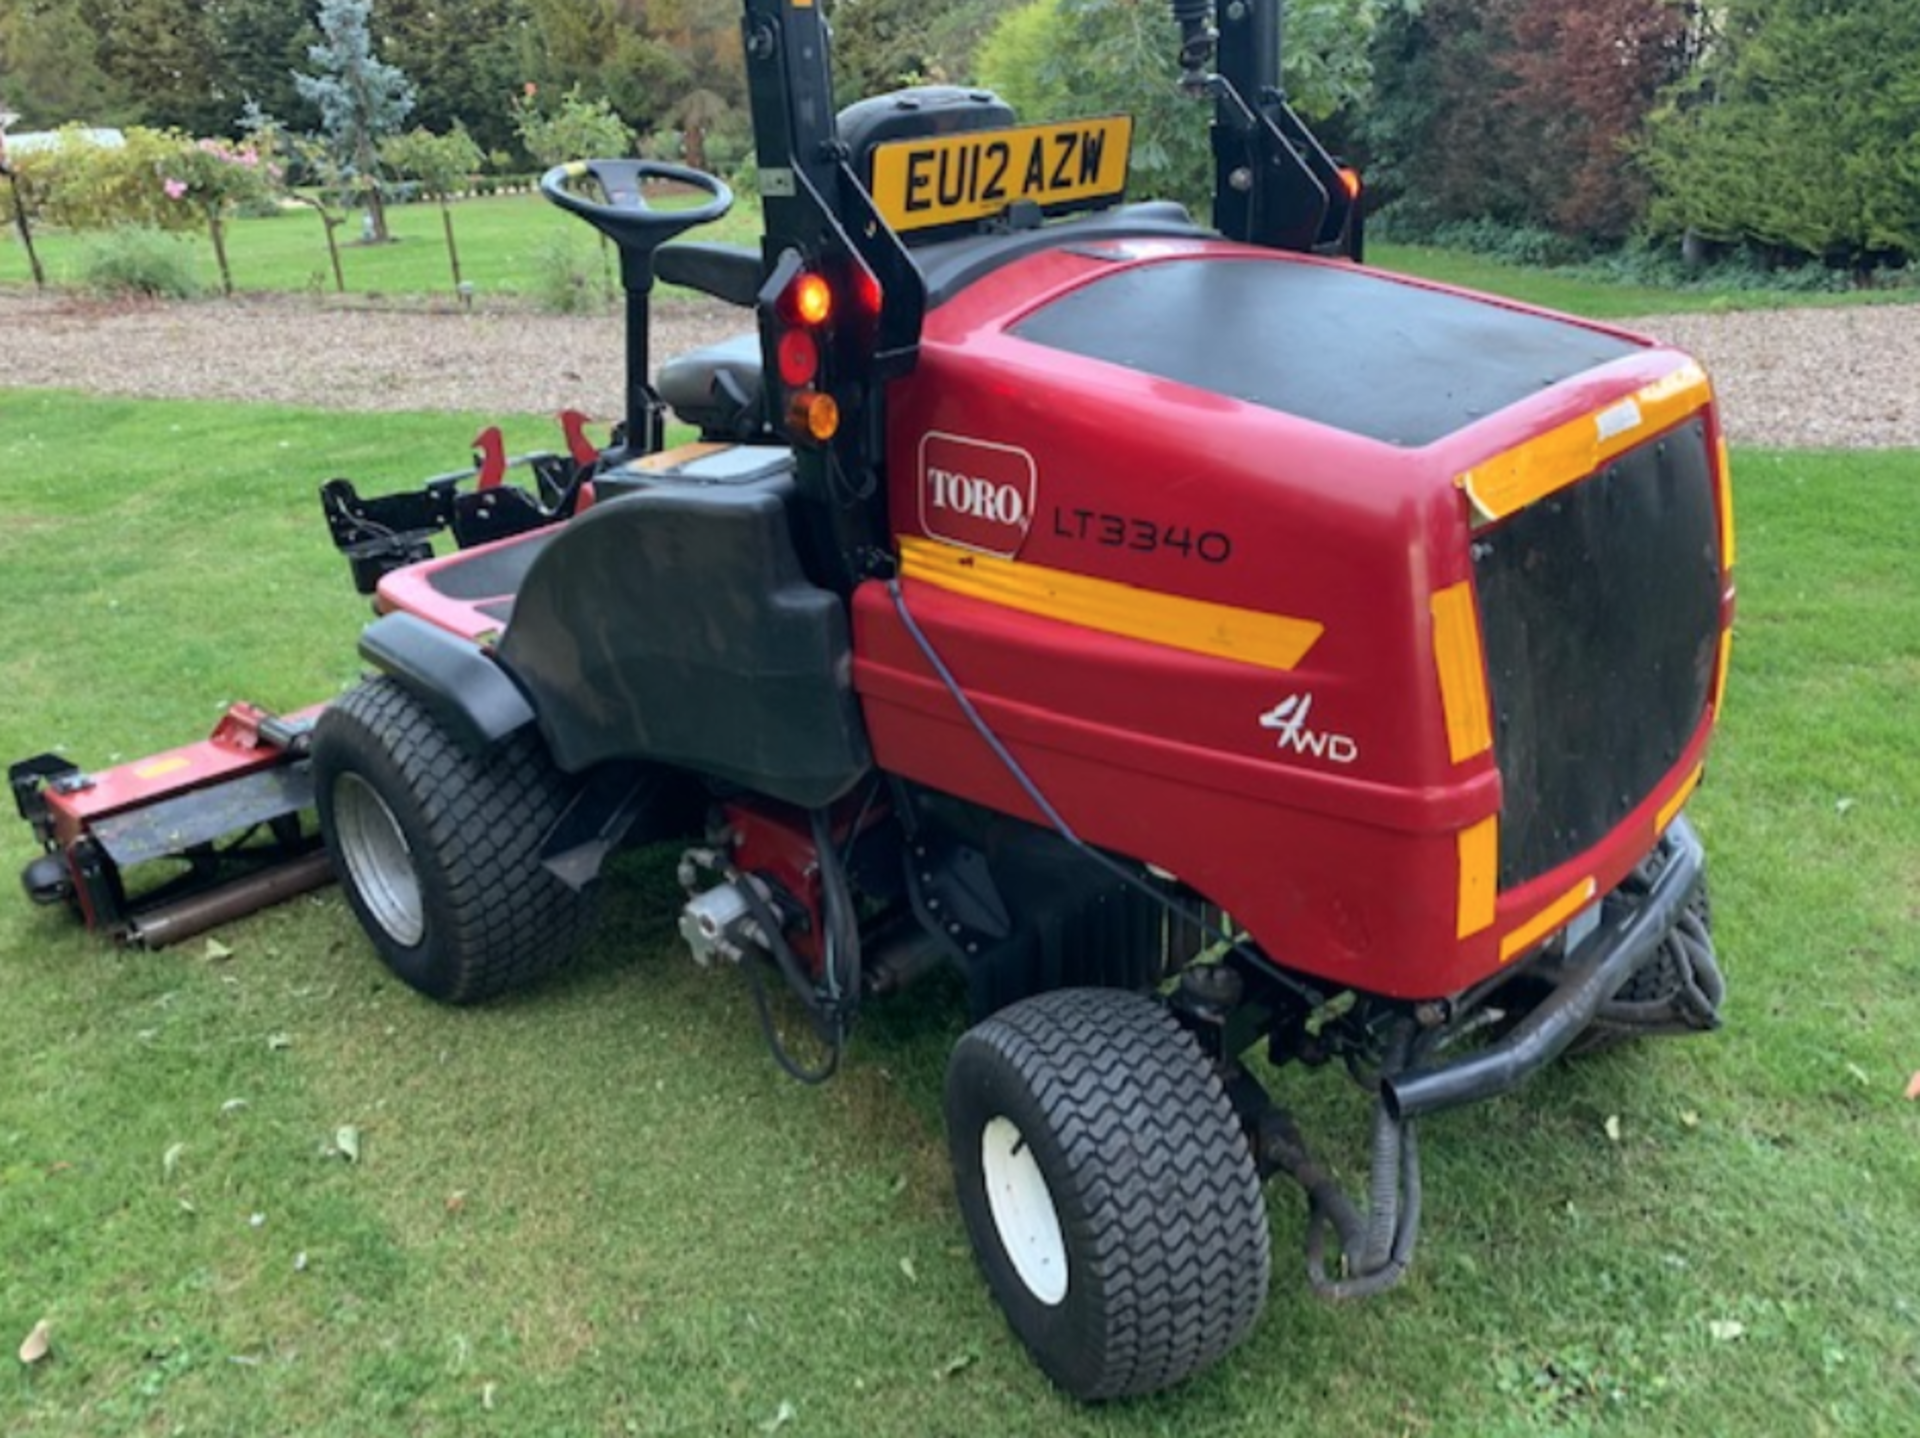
x,y
1024,1217
378,859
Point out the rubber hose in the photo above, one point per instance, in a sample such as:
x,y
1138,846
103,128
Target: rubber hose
x,y
840,918
1383,1198
785,959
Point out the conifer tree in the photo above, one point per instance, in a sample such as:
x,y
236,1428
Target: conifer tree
x,y
361,99
1802,132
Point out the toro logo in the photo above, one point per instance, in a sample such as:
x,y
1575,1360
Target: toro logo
x,y
975,494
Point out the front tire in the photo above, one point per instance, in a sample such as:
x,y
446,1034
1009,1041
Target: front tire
x,y
1108,1188
439,850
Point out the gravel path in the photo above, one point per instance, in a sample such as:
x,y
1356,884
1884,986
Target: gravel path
x,y
1837,378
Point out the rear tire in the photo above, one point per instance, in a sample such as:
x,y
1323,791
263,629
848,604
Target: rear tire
x,y
1108,1188
438,851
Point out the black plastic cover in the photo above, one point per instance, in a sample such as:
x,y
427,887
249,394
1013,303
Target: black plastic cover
x,y
675,624
1343,347
1601,611
915,112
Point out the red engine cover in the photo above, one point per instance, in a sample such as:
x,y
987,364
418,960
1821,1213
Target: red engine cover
x,y
1202,622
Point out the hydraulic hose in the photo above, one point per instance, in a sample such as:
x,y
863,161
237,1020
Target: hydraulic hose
x,y
841,921
794,972
1695,1006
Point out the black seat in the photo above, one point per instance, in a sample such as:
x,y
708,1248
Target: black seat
x,y
717,387
727,272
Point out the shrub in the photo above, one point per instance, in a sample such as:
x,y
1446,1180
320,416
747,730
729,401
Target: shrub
x,y
1409,222
139,261
1513,243
578,129
568,277
1740,269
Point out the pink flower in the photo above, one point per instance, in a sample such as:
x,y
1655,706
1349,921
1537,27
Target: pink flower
x,y
176,189
530,89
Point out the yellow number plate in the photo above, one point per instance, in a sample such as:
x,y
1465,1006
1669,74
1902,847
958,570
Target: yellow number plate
x,y
948,179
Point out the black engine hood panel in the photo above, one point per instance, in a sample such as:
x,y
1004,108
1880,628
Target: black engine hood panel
x,y
1344,347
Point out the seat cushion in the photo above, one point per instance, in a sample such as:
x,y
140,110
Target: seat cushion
x,y
717,387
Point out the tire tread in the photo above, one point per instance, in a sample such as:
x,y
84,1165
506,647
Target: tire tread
x,y
1162,1184
502,920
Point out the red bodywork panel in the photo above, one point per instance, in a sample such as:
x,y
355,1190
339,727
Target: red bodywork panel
x,y
1347,870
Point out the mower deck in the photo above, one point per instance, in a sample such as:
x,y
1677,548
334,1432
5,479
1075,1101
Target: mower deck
x,y
246,784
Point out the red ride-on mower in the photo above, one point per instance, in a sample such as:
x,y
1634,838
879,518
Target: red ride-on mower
x,y
1221,654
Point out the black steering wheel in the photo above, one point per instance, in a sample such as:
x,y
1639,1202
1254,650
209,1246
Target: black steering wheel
x,y
625,217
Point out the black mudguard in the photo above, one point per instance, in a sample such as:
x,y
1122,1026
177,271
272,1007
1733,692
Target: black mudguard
x,y
466,690
676,625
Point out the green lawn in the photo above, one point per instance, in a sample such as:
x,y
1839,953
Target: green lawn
x,y
598,1209
502,239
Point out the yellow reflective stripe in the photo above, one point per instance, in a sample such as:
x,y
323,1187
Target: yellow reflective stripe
x,y
1479,875
1562,456
1671,809
1547,920
1726,507
1272,641
1720,674
1463,671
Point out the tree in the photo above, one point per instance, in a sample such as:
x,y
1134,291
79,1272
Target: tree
x,y
1055,59
1586,78
601,49
1801,132
50,70
463,60
259,45
1438,144
880,45
575,129
440,165
20,200
163,53
361,99
705,36
1052,59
